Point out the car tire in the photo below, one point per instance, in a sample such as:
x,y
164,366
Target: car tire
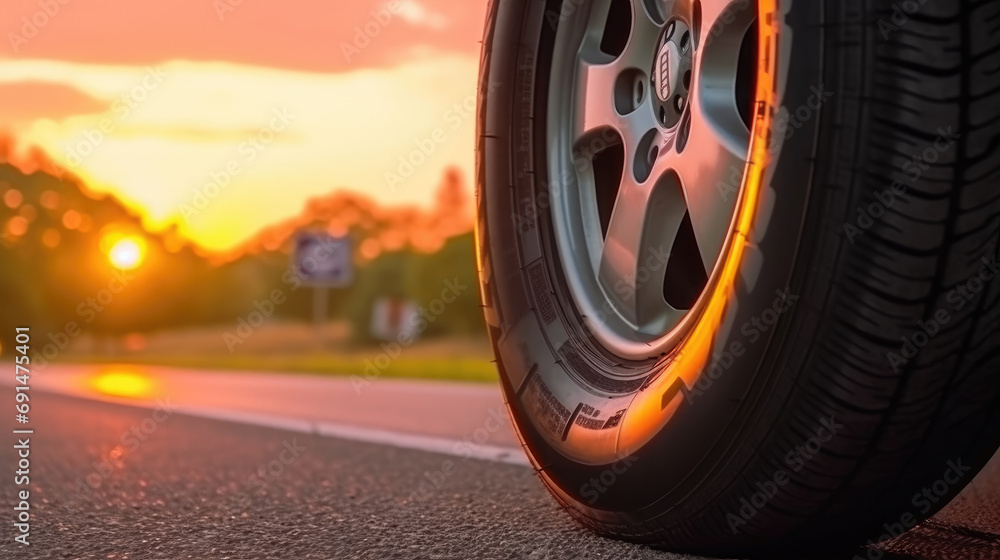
x,y
830,380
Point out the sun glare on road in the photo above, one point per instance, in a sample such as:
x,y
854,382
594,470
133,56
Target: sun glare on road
x,y
127,253
125,384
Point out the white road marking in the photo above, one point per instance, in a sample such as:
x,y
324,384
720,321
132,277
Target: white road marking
x,y
466,448
458,448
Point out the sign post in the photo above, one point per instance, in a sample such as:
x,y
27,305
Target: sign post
x,y
323,261
321,302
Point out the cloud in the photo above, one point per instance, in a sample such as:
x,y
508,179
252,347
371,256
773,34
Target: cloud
x,y
294,34
28,101
418,15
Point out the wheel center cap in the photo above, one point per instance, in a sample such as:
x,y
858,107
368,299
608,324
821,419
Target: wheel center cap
x,y
667,65
670,75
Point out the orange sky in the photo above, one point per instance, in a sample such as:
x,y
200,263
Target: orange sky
x,y
225,115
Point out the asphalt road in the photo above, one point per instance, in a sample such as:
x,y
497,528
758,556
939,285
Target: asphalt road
x,y
119,482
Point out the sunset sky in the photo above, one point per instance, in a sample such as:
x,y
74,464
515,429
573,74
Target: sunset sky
x,y
281,100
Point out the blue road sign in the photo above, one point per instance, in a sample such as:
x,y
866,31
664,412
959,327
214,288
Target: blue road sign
x,y
323,260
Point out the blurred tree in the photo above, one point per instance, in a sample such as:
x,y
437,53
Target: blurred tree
x,y
440,274
53,270
383,278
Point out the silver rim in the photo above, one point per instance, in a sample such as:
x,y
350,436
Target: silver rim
x,y
648,133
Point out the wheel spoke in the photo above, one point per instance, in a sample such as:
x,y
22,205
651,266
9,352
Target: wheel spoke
x,y
643,34
600,112
711,173
598,97
641,49
606,82
644,224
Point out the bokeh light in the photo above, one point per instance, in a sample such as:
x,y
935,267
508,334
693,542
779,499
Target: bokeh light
x,y
71,219
50,200
17,226
13,198
51,238
135,342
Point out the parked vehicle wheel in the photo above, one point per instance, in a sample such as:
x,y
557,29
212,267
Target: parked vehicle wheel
x,y
738,260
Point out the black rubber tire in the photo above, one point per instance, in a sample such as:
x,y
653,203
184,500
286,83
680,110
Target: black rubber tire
x,y
860,284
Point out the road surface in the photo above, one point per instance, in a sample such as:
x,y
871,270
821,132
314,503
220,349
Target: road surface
x,y
123,479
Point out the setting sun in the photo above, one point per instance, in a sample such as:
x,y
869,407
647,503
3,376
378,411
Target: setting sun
x,y
127,253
